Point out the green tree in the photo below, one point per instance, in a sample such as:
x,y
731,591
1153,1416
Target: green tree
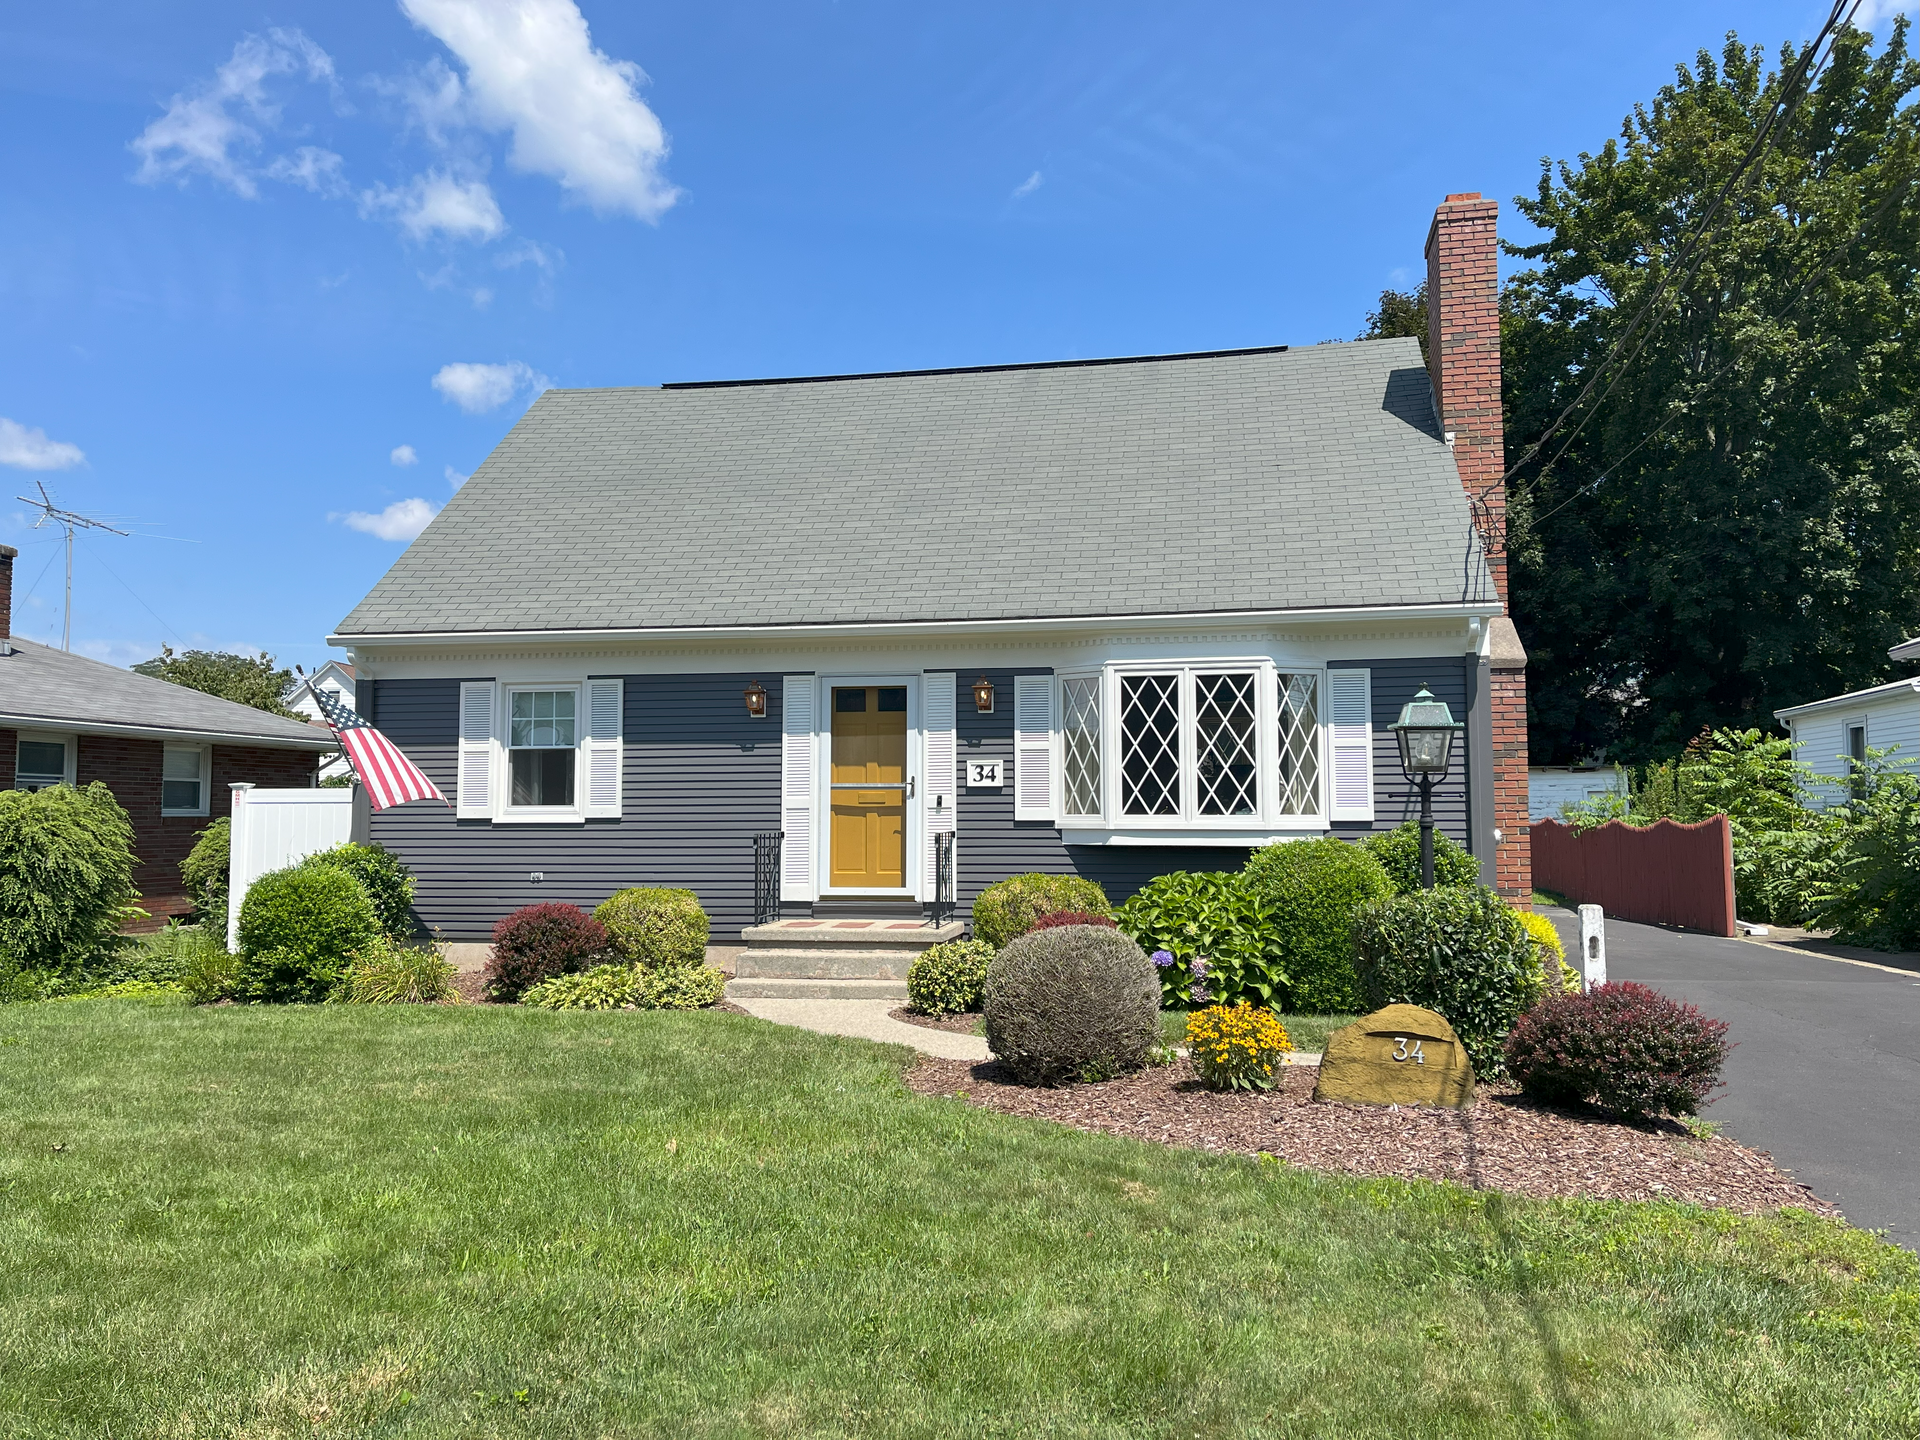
x,y
1734,523
249,679
1400,312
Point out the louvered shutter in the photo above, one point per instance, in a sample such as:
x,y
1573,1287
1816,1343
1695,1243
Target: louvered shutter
x,y
1033,747
1350,739
796,788
941,762
605,700
473,793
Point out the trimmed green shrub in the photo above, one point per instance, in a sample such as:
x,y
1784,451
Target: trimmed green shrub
x,y
1215,916
663,928
388,972
629,985
1621,1045
66,879
1007,909
1398,852
946,979
297,929
1072,917
210,970
1077,1003
388,883
1555,973
1460,950
537,942
1313,889
204,873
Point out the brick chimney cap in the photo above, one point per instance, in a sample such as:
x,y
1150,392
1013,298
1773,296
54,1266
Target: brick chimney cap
x,y
1463,195
7,552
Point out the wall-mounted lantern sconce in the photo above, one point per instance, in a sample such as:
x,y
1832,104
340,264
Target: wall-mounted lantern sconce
x,y
756,695
983,695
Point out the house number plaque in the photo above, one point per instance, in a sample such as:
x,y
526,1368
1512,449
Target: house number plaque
x,y
984,774
1402,1055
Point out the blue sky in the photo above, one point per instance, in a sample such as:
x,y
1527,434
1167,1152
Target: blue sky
x,y
273,279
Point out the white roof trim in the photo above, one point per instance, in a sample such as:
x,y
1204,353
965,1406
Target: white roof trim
x,y
72,726
1906,650
1852,697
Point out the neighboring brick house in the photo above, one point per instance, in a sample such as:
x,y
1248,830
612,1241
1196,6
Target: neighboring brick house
x,y
169,754
1108,617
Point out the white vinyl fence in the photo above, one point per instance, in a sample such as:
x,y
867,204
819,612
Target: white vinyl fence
x,y
273,829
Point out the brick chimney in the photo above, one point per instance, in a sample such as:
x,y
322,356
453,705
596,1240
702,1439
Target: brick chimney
x,y
1463,359
7,552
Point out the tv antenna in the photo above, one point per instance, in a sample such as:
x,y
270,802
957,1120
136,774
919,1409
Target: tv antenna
x,y
52,514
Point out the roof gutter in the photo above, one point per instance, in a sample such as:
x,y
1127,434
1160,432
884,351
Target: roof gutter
x,y
163,732
1852,697
1446,610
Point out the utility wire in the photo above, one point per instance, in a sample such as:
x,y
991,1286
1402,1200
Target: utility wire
x,y
131,591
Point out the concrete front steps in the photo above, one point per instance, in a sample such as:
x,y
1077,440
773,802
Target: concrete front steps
x,y
826,958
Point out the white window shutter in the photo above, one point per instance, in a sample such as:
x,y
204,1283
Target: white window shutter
x,y
473,793
797,880
1033,747
938,713
1350,708
605,712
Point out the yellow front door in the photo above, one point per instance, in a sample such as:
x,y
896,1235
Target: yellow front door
x,y
869,835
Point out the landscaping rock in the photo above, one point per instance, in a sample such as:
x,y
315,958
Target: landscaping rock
x,y
1402,1055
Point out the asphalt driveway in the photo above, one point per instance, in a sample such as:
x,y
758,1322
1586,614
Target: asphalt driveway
x,y
1826,1073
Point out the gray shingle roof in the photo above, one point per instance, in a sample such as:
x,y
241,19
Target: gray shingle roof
x,y
41,686
1308,478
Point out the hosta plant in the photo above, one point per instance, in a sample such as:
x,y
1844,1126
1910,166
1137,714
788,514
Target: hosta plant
x,y
1217,918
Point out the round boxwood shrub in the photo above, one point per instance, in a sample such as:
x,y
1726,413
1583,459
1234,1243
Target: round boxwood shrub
x,y
298,928
1212,915
1459,950
388,883
204,873
1077,1003
1071,917
66,877
1398,852
1007,909
946,979
663,928
1620,1045
537,942
1313,889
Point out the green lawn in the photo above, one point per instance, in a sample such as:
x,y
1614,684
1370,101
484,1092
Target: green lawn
x,y
476,1221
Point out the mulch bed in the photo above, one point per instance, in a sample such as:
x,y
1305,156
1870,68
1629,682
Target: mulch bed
x,y
1503,1142
961,1024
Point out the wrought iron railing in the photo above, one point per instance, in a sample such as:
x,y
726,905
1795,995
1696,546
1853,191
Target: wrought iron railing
x,y
942,908
766,878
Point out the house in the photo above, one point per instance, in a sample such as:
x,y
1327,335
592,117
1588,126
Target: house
x,y
1113,617
1830,732
336,678
1550,787
169,754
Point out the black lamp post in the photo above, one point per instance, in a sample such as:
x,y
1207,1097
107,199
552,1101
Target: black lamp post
x,y
1425,730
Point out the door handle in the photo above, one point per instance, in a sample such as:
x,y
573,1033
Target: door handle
x,y
910,787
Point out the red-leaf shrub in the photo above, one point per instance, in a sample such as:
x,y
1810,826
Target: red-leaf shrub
x,y
1070,917
1623,1046
538,942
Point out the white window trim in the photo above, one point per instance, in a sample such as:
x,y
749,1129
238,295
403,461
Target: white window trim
x,y
53,737
1265,825
505,812
205,752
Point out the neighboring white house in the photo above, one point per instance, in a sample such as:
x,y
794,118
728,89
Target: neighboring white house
x,y
1551,786
1885,717
336,678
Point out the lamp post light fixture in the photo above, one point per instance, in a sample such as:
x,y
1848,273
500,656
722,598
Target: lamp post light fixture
x,y
756,698
983,695
1425,730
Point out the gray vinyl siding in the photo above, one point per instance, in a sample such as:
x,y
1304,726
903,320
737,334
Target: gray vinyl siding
x,y
1395,799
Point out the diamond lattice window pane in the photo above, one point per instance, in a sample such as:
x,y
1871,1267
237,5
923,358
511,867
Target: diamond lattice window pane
x,y
1080,736
1299,746
1225,744
1150,744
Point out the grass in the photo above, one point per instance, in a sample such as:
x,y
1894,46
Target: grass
x,y
472,1221
1548,897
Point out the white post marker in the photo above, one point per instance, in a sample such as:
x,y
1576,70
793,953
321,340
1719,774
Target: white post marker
x,y
1593,946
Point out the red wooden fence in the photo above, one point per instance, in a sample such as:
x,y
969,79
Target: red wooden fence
x,y
1663,873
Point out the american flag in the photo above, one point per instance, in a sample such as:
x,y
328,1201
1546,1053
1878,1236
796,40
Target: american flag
x,y
390,778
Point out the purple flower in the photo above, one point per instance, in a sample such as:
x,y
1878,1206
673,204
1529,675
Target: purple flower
x,y
1201,968
1163,958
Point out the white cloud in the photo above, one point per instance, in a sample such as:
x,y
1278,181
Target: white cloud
x,y
32,450
1027,186
1871,11
455,479
200,132
437,201
403,455
402,520
478,388
311,167
574,111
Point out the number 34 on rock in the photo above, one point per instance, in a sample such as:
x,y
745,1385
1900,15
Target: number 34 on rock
x,y
1402,1055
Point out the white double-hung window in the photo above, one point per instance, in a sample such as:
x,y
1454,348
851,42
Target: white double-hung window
x,y
183,780
1224,746
541,752
542,747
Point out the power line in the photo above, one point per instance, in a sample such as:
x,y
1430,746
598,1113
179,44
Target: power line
x,y
137,600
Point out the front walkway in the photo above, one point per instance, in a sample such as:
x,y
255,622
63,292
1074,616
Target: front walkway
x,y
1825,1075
866,1020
